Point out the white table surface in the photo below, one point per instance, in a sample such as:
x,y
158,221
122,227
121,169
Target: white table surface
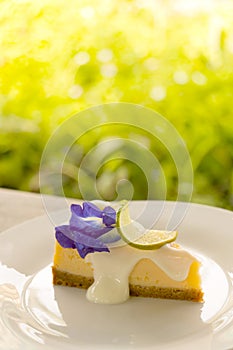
x,y
18,206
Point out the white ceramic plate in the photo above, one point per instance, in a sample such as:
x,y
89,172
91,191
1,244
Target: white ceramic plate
x,y
34,313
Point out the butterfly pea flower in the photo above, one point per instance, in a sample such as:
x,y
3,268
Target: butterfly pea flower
x,y
87,229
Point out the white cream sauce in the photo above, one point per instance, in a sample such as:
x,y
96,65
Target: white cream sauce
x,y
112,270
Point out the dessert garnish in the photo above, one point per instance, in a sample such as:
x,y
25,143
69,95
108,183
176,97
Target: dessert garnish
x,y
91,229
87,229
137,236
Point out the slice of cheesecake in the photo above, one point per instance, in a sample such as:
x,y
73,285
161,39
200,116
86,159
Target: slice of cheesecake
x,y
111,275
146,278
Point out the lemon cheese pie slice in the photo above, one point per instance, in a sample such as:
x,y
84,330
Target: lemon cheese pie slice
x,y
104,251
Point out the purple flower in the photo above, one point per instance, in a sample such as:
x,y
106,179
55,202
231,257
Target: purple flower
x,y
87,224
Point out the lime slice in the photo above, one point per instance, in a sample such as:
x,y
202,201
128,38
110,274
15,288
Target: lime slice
x,y
137,236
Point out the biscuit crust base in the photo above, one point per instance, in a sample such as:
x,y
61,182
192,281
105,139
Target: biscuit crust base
x,y
68,279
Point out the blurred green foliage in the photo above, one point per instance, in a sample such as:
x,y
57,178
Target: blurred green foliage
x,y
58,58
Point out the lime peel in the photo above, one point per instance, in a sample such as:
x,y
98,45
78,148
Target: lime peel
x,y
137,236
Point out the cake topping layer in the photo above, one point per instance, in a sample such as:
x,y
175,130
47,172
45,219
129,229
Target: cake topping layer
x,y
111,271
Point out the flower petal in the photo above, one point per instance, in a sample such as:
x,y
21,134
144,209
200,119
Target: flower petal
x,y
78,237
90,209
69,238
109,216
92,228
84,250
76,209
87,224
62,234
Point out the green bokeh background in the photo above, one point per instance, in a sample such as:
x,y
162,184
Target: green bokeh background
x,y
60,57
